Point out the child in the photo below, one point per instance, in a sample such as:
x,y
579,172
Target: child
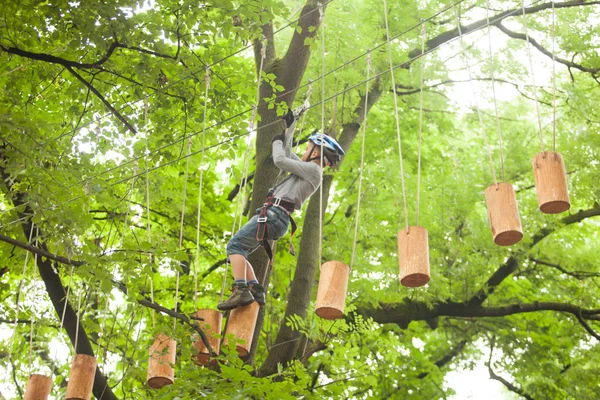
x,y
271,222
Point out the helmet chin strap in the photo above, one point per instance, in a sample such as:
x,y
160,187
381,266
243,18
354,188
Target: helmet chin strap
x,y
318,157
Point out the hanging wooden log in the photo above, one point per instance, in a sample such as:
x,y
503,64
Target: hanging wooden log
x,y
241,324
504,214
413,256
81,377
211,325
160,363
38,387
551,182
333,285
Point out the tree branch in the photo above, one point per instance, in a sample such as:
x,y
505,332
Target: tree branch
x,y
506,383
581,275
182,317
496,19
58,60
407,311
40,252
447,357
511,265
113,110
547,53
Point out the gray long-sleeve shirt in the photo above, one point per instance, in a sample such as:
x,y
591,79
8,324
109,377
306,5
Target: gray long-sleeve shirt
x,y
304,180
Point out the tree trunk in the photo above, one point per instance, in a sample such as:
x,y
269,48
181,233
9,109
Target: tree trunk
x,y
289,72
288,340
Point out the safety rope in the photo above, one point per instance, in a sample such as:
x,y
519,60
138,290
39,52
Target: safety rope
x,y
244,180
532,74
475,97
422,65
362,161
498,130
200,183
322,23
396,114
306,101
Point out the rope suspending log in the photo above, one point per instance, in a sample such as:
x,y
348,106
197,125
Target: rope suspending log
x,y
553,78
501,200
475,97
532,74
333,279
322,23
148,225
498,130
396,113
548,167
362,161
421,69
413,246
83,366
200,183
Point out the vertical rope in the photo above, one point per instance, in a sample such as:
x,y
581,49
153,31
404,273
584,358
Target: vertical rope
x,y
244,180
322,22
498,130
422,65
306,102
535,95
77,323
62,318
181,225
18,302
362,158
389,46
475,99
120,245
35,257
200,182
553,78
148,230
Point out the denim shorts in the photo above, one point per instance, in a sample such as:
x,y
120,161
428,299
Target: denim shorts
x,y
244,241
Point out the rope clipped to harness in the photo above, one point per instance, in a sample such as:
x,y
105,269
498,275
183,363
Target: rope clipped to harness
x,y
262,231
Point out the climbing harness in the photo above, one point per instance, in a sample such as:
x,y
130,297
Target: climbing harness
x,y
262,231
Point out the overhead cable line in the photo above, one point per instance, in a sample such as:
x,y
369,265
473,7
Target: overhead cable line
x,y
235,137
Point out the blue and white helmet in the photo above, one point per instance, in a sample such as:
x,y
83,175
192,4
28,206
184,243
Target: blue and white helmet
x,y
331,148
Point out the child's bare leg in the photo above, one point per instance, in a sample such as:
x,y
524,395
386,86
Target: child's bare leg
x,y
238,267
250,272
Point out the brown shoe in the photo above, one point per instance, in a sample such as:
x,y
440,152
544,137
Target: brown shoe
x,y
258,292
240,296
